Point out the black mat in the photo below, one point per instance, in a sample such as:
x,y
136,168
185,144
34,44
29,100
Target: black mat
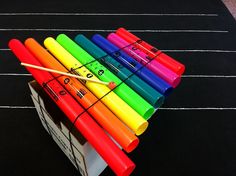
x,y
193,134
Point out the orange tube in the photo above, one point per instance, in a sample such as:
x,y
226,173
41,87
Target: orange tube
x,y
99,111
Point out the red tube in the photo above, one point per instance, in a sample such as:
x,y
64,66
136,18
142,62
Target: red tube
x,y
152,52
97,109
108,150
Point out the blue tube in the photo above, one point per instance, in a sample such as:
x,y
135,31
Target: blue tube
x,y
140,86
133,65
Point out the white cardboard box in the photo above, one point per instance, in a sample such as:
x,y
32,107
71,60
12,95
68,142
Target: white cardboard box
x,y
57,125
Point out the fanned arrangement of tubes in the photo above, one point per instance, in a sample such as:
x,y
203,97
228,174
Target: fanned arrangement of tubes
x,y
77,75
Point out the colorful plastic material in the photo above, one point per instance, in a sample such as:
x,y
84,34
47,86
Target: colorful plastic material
x,y
122,90
97,109
108,150
123,111
140,86
169,76
130,63
151,51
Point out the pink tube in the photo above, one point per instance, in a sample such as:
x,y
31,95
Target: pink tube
x,y
170,77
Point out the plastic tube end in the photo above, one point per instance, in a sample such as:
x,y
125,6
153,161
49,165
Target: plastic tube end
x,y
132,145
168,91
181,69
141,128
149,113
176,82
159,102
129,170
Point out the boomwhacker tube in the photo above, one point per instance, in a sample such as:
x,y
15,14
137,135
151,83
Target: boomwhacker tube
x,y
140,86
95,107
163,72
108,150
122,90
130,63
151,51
122,110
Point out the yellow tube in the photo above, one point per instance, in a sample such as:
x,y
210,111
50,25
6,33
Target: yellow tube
x,y
122,110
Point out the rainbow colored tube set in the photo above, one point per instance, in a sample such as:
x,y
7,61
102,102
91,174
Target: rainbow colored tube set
x,y
143,75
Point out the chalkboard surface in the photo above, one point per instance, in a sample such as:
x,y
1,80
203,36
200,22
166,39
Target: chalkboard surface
x,y
192,134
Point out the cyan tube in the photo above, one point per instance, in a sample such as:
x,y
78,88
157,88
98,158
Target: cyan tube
x,y
119,107
144,73
140,86
122,90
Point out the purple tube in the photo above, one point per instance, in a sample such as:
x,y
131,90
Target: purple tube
x,y
140,70
160,70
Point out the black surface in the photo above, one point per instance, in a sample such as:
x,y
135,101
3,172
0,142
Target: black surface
x,y
178,142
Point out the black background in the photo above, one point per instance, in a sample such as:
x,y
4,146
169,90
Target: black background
x,y
196,141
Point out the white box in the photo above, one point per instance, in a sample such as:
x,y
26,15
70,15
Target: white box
x,y
57,125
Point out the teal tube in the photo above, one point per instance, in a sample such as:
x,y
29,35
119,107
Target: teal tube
x,y
150,94
127,94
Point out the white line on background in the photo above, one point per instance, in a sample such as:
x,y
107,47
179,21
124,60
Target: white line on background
x,y
209,76
16,107
175,109
165,50
105,14
184,76
15,74
201,51
112,30
204,108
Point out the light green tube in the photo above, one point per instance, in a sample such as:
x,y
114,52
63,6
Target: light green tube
x,y
122,90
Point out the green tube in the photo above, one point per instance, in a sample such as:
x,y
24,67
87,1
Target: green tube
x,y
122,90
141,87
